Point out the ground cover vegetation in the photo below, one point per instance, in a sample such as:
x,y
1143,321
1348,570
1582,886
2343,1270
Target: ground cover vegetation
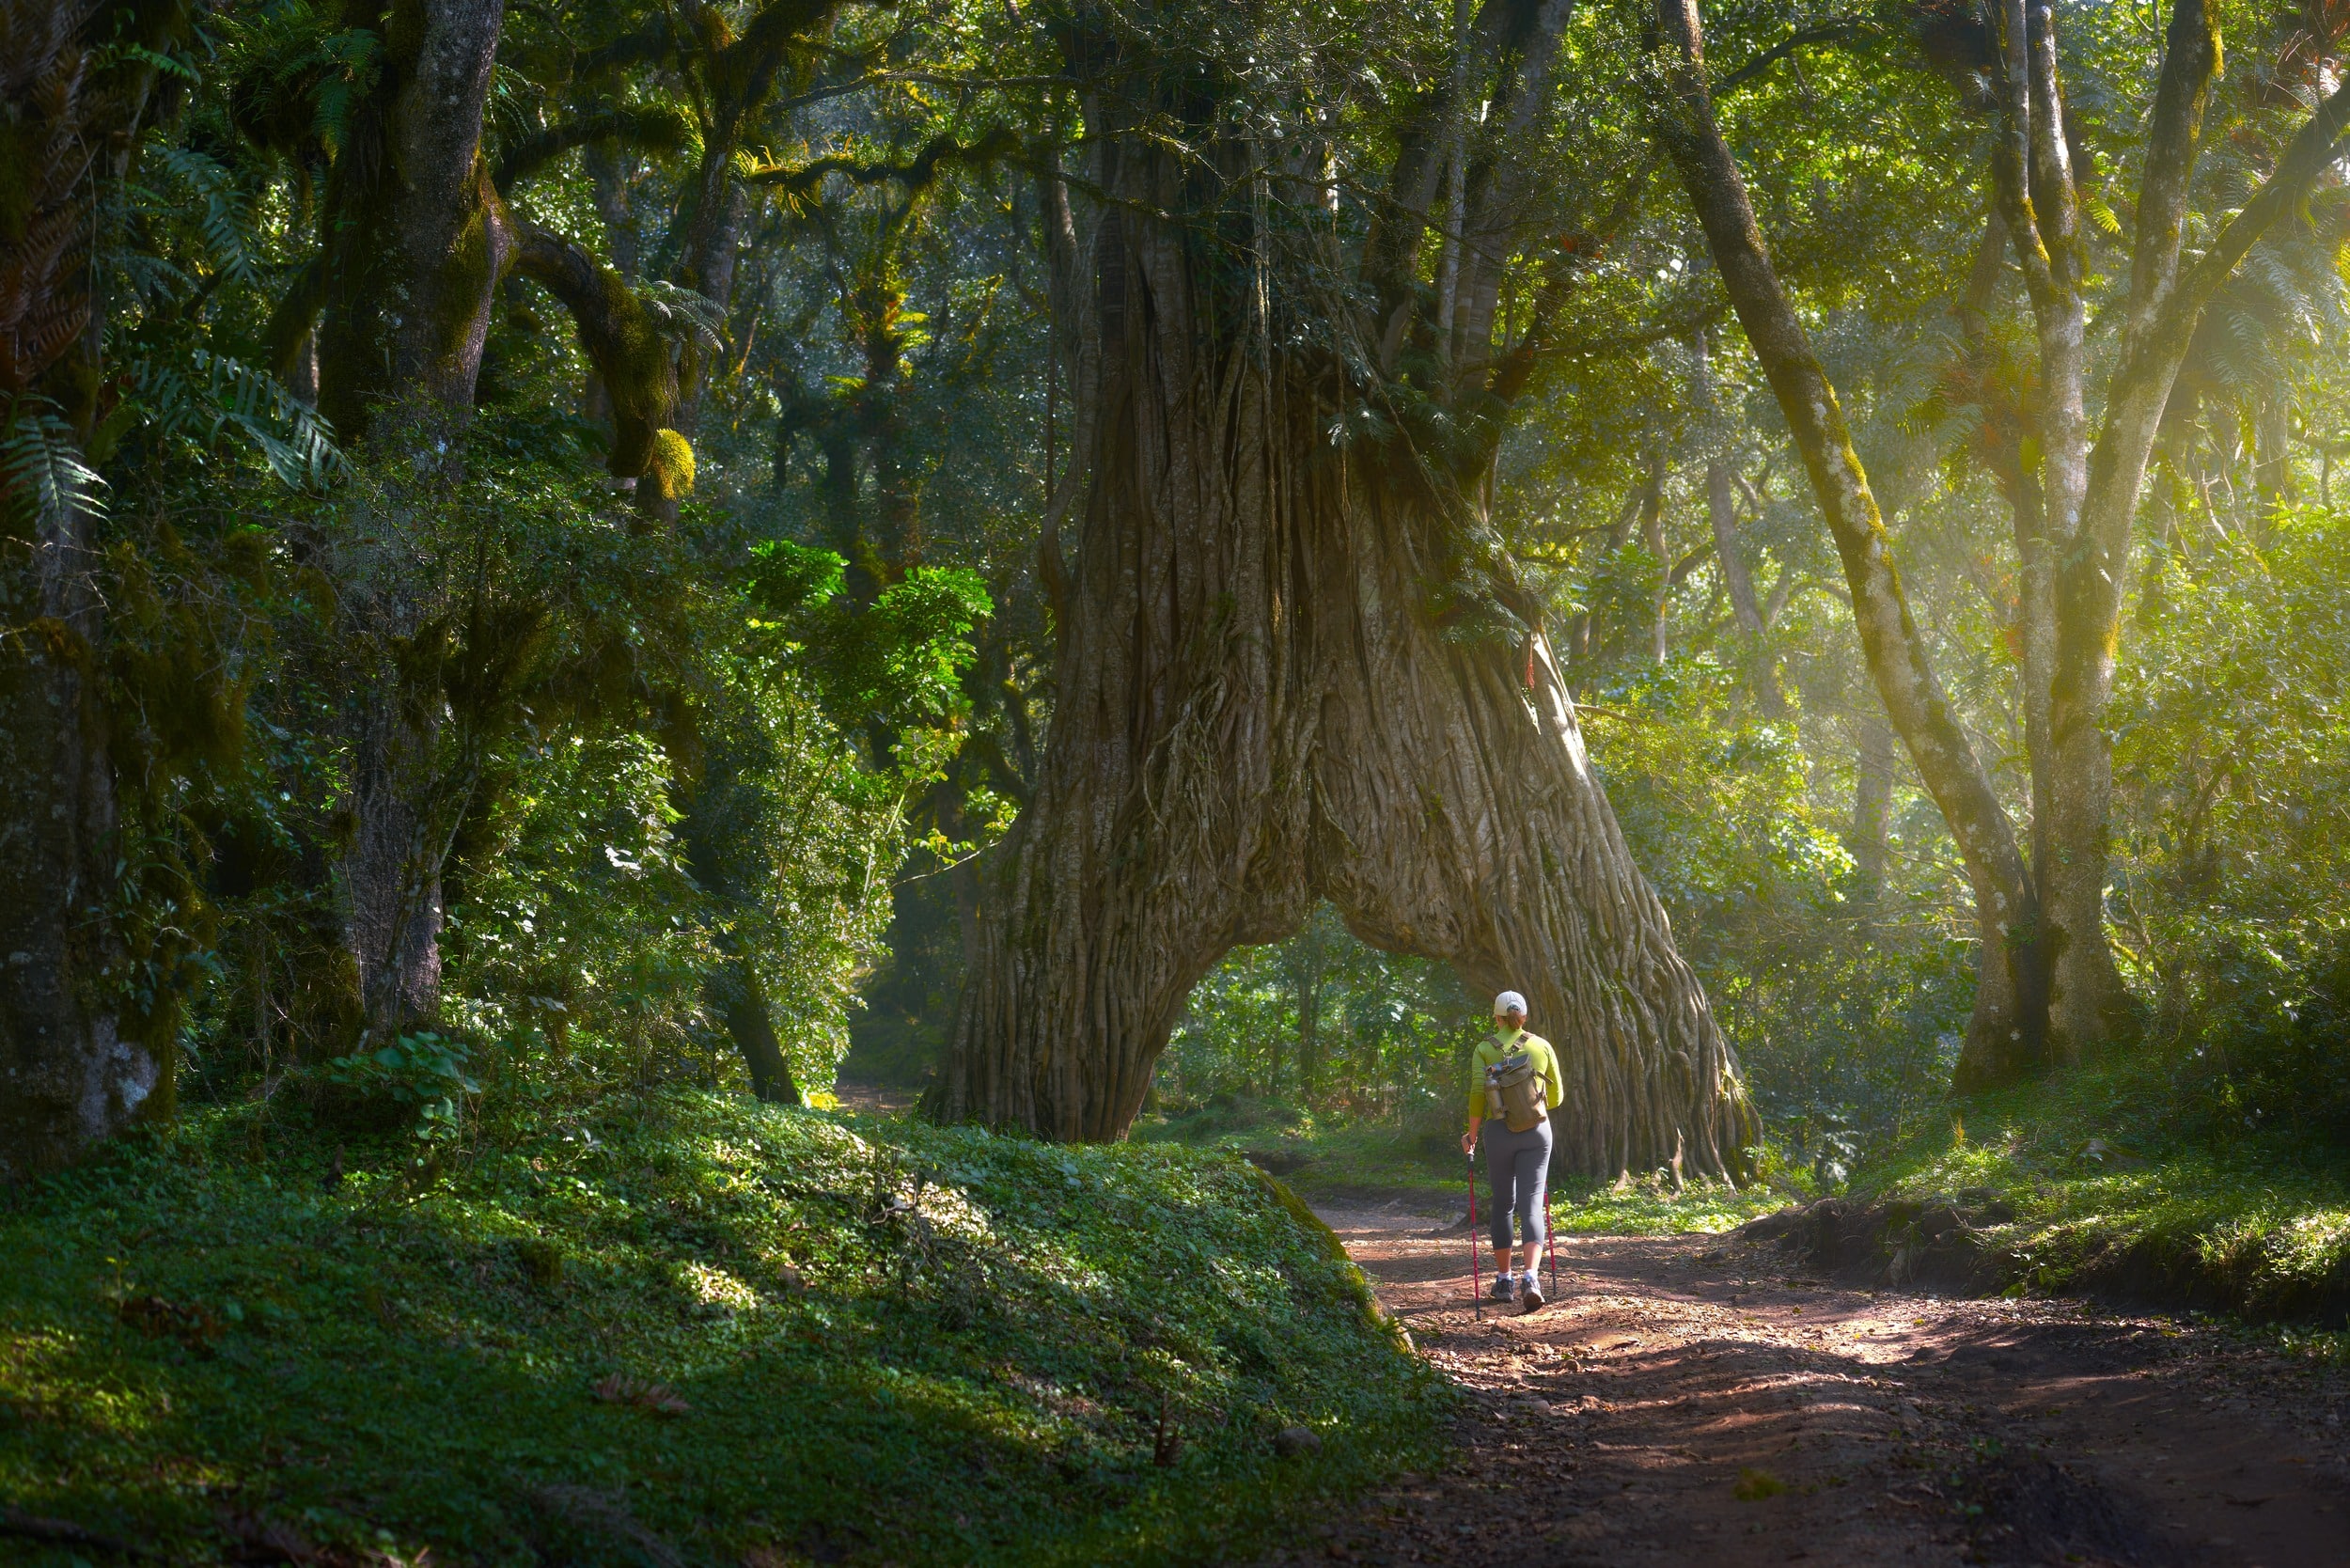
x,y
681,1326
1122,568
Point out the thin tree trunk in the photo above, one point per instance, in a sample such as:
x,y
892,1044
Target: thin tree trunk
x,y
750,1023
1456,184
1721,510
608,187
1653,540
1253,712
1720,505
78,1061
2272,457
2164,306
707,264
1871,802
2005,1034
1578,638
2020,485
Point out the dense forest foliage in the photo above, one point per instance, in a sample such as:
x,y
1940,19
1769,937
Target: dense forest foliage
x,y
686,687
540,539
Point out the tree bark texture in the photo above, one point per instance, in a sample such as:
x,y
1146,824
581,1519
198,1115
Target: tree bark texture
x,y
77,1062
392,864
2004,1036
1257,706
416,237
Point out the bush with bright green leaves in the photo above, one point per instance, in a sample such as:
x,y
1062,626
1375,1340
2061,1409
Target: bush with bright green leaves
x,y
2232,767
1846,1002
423,1075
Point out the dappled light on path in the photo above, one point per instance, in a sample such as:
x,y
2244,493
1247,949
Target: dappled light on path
x,y
1689,1399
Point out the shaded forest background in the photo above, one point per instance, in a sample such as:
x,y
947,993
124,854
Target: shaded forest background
x,y
643,708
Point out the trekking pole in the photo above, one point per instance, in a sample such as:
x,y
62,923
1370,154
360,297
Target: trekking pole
x,y
1477,1286
1550,1242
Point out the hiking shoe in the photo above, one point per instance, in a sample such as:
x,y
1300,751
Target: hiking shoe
x,y
1532,1293
1505,1288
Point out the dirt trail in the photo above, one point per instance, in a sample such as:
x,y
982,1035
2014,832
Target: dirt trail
x,y
1688,1400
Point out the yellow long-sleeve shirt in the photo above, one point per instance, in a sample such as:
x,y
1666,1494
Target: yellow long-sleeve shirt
x,y
1489,1054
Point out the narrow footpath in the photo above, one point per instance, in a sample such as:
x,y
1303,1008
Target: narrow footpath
x,y
1690,1399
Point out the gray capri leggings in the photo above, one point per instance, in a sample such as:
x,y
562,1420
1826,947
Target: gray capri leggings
x,y
1520,1167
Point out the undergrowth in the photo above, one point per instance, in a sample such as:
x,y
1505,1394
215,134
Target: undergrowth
x,y
684,1327
2110,1188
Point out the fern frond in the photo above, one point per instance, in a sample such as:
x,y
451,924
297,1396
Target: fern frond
x,y
225,395
226,223
683,315
44,474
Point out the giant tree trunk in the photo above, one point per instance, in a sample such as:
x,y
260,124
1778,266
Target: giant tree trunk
x,y
1258,705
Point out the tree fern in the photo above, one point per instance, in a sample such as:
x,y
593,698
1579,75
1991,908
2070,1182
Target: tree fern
x,y
294,75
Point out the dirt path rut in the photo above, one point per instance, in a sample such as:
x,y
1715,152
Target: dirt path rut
x,y
1685,1400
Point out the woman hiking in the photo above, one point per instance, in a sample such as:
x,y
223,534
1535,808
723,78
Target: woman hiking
x,y
1513,1084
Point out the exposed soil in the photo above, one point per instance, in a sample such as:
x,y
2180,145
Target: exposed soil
x,y
875,1099
1698,1400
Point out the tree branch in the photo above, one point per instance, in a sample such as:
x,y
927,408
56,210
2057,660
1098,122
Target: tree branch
x,y
619,336
916,173
1754,70
646,127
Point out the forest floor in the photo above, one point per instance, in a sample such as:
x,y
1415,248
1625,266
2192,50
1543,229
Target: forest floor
x,y
1695,1399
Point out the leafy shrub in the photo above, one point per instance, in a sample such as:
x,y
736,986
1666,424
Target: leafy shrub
x,y
421,1078
2232,766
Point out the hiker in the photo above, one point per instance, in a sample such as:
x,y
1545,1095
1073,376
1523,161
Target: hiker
x,y
1513,1084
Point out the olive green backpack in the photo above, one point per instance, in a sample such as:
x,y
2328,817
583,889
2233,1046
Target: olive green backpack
x,y
1514,1091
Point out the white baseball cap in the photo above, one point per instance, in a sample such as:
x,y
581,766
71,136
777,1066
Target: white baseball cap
x,y
1508,1001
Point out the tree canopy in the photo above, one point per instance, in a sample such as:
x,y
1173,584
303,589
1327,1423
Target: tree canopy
x,y
558,545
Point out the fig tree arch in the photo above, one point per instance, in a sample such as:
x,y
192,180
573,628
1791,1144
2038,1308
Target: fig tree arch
x,y
1285,673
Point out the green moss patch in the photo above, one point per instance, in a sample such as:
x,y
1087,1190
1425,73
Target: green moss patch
x,y
686,1328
